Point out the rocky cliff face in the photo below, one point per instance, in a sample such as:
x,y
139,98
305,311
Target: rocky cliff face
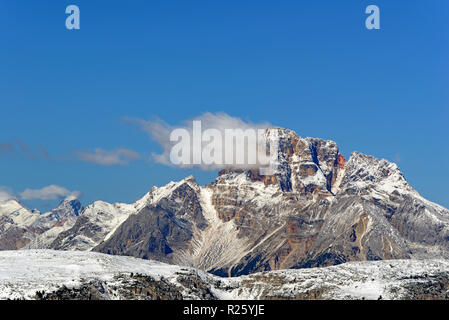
x,y
317,210
162,230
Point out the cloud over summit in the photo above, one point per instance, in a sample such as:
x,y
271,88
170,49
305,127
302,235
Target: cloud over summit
x,y
159,131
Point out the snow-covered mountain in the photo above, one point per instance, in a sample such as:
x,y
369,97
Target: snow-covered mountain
x,y
15,220
54,222
24,228
58,275
318,210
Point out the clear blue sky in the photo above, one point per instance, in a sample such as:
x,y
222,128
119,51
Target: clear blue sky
x,y
310,66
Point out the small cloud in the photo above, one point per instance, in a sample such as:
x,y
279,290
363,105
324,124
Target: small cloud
x,y
52,192
17,146
6,194
107,158
397,158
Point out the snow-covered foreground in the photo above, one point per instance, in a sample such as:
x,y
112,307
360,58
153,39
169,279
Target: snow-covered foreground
x,y
101,276
24,272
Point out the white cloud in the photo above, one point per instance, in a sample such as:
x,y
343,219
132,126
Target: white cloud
x,y
51,192
159,131
104,157
6,194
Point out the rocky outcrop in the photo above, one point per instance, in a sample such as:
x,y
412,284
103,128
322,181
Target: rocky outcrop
x,y
133,287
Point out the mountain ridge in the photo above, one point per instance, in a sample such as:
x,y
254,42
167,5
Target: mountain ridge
x,y
319,209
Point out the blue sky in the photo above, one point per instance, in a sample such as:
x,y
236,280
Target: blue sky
x,y
310,66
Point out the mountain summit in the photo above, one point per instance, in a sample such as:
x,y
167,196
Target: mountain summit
x,y
24,228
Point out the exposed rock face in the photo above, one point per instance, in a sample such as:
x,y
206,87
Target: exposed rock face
x,y
307,166
161,230
12,237
381,183
317,210
355,230
135,287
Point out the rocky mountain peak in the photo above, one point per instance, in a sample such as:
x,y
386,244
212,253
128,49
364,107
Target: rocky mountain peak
x,y
366,173
17,212
306,166
69,206
314,166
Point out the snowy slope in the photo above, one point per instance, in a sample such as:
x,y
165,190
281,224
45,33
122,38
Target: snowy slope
x,y
23,273
20,215
94,225
16,225
211,246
